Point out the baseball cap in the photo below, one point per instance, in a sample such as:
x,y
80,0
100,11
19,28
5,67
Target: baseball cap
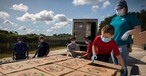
x,y
121,4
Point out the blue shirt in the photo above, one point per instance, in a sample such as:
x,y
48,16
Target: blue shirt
x,y
20,48
122,24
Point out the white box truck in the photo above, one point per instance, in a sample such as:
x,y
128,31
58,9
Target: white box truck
x,y
83,28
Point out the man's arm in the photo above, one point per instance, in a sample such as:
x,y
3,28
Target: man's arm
x,y
35,53
85,55
14,48
93,49
48,50
77,48
13,55
68,48
94,53
120,60
87,52
27,52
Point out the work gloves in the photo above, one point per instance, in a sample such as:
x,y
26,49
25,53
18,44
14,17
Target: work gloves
x,y
124,71
126,35
93,57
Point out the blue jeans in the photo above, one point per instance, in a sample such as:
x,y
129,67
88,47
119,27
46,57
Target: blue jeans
x,y
124,53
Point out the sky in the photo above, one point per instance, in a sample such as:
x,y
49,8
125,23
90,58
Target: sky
x,y
55,16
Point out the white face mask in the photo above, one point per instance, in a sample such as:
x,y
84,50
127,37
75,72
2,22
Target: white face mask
x,y
106,40
73,42
120,12
19,41
41,40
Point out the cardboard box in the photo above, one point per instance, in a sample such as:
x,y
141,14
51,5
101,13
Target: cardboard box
x,y
79,73
33,62
62,65
81,61
74,63
29,72
55,58
12,67
96,70
54,69
21,65
1,74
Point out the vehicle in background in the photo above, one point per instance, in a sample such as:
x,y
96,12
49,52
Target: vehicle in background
x,y
83,28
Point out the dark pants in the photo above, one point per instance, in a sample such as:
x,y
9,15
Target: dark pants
x,y
41,55
20,56
104,58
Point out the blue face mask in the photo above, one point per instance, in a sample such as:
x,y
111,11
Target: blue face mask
x,y
105,39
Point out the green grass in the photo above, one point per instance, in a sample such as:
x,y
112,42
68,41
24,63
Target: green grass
x,y
9,53
5,55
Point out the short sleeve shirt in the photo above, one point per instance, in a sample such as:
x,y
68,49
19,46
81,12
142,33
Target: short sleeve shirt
x,y
122,24
73,47
20,48
103,48
43,48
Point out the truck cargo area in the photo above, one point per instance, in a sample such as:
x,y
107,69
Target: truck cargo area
x,y
83,28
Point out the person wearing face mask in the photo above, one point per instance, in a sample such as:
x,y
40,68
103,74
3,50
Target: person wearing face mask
x,y
71,47
20,50
125,25
88,54
103,45
43,48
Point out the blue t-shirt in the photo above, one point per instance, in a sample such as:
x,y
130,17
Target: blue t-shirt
x,y
20,48
122,24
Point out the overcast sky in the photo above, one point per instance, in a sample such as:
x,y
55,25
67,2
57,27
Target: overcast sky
x,y
55,16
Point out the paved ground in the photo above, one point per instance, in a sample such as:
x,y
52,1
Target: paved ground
x,y
136,65
137,62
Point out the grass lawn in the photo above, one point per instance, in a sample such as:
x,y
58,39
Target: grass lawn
x,y
9,53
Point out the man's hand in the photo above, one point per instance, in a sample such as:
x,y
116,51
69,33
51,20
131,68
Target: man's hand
x,y
85,55
27,57
93,58
33,57
13,57
79,56
124,71
126,35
